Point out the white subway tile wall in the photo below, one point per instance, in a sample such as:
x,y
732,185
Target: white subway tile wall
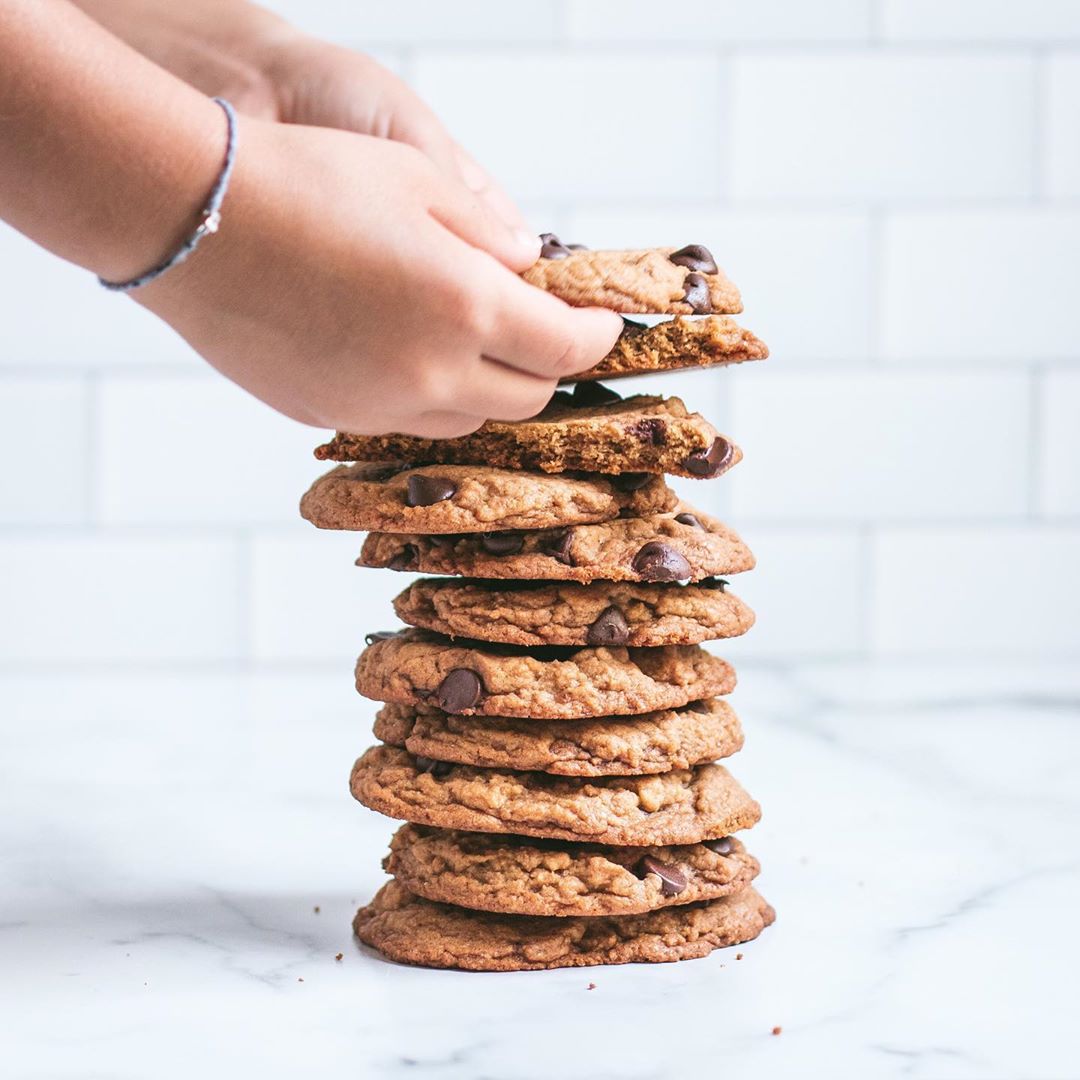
x,y
895,185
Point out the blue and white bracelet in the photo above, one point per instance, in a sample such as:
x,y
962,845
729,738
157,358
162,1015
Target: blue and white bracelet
x,y
209,220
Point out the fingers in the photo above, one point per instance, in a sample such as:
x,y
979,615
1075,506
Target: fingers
x,y
479,181
472,219
537,333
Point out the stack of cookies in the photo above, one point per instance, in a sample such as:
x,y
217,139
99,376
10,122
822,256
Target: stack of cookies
x,y
550,721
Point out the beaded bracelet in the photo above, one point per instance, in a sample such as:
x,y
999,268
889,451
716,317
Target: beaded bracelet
x,y
209,220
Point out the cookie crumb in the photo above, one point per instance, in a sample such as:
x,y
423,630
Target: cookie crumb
x,y
340,956
316,909
300,978
591,986
776,1030
738,956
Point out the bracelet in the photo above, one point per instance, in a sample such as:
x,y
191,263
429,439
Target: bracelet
x,y
209,220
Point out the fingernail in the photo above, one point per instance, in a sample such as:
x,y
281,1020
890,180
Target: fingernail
x,y
526,238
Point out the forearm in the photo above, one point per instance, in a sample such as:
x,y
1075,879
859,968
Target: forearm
x,y
105,158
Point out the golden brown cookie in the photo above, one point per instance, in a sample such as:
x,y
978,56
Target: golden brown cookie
x,y
518,876
659,281
653,742
592,429
568,613
684,806
682,545
472,498
682,342
550,682
406,928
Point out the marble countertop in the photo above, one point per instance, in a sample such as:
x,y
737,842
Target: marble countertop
x,y
180,859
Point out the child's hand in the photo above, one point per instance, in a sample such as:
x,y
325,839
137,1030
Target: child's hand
x,y
355,285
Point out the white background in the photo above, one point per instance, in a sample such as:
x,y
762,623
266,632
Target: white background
x,y
894,185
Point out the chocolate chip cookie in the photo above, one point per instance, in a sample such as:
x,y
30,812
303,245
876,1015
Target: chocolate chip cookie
x,y
461,499
682,545
548,682
653,742
568,613
681,342
684,806
592,429
411,930
515,876
676,281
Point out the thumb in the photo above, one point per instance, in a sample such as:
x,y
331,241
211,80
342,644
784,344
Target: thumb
x,y
473,219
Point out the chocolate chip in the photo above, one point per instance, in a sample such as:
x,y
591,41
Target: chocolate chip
x,y
593,393
437,769
696,294
698,707
405,559
577,247
656,561
609,629
558,546
718,583
672,879
689,519
502,543
695,257
551,247
724,846
631,481
460,690
380,635
427,490
711,462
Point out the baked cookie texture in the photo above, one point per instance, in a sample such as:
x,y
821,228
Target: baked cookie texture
x,y
681,545
684,806
462,499
677,344
411,930
576,431
655,742
675,281
569,613
416,667
518,876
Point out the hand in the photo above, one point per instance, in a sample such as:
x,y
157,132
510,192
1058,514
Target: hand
x,y
353,285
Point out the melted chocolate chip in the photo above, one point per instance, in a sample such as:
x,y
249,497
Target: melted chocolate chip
x,y
631,481
712,462
558,546
695,257
460,690
656,561
713,583
724,846
672,879
405,559
427,490
502,543
609,629
593,393
437,769
577,247
689,519
551,247
651,430
380,635
696,294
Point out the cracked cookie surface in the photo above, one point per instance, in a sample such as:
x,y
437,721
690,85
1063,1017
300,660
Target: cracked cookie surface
x,y
682,342
658,281
569,613
518,876
416,667
641,434
653,742
684,806
412,930
693,546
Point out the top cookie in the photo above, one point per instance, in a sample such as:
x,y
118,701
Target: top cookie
x,y
592,429
658,281
677,343
396,498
